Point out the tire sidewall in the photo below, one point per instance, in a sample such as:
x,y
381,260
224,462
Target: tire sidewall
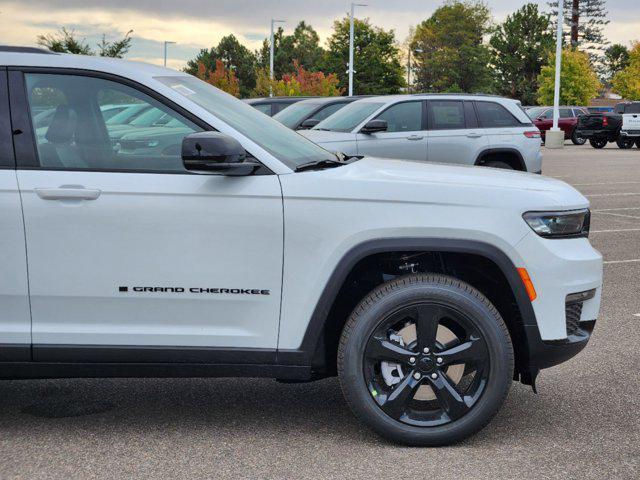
x,y
484,317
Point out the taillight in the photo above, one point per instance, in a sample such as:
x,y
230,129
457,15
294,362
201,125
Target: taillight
x,y
532,134
605,121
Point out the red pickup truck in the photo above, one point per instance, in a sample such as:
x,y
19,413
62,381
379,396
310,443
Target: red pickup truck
x,y
542,118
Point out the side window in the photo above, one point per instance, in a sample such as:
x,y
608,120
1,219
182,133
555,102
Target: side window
x,y
566,113
446,114
548,115
90,123
403,117
328,111
494,115
264,108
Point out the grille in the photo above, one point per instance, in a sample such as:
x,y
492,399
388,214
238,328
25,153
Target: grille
x,y
573,311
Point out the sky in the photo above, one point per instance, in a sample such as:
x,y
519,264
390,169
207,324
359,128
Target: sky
x,y
197,24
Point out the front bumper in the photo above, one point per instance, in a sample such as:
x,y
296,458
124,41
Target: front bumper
x,y
545,354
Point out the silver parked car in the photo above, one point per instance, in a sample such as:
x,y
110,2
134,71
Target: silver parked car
x,y
467,129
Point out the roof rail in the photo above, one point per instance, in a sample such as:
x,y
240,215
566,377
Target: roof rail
x,y
14,49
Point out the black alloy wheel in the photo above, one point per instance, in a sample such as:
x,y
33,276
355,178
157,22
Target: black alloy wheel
x,y
425,360
598,142
625,143
576,139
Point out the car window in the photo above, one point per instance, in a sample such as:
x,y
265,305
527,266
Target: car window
x,y
535,112
566,113
446,114
577,112
79,138
328,111
295,114
349,117
494,115
632,108
263,107
403,117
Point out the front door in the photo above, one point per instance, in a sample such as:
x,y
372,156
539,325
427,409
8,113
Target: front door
x,y
132,258
404,138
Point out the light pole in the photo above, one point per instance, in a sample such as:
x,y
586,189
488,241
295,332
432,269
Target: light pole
x,y
271,53
353,6
555,136
417,50
165,50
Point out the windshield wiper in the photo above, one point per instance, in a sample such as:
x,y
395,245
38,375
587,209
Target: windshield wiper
x,y
319,164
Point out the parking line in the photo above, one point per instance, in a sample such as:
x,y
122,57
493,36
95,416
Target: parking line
x,y
623,194
618,215
614,209
612,262
618,230
602,183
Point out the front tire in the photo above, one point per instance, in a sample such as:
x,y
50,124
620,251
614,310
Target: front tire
x,y
425,360
577,140
625,143
498,164
638,143
598,142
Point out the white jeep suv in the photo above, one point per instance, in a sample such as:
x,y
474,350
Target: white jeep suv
x,y
464,129
239,248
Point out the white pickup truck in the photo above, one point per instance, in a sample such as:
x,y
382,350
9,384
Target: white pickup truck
x,y
232,246
630,129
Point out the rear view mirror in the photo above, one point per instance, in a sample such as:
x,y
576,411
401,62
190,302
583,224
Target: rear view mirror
x,y
206,152
308,123
373,126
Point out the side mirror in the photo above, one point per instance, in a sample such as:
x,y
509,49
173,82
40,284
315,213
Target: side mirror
x,y
308,123
214,152
373,126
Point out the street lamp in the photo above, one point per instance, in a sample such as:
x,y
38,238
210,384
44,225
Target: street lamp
x,y
417,50
353,6
165,50
271,53
555,136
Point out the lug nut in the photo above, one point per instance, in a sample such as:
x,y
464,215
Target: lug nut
x,y
412,360
416,376
426,350
439,360
434,375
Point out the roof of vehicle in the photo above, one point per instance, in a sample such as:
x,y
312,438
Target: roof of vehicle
x,y
35,57
397,98
336,99
260,100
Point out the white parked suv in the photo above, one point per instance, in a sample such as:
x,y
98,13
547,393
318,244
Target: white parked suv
x,y
243,249
630,129
465,129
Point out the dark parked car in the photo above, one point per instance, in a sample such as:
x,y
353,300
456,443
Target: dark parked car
x,y
602,128
542,118
308,113
272,105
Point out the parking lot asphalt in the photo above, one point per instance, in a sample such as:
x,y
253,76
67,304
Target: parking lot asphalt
x,y
584,423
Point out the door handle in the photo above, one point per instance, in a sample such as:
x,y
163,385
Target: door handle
x,y
415,137
68,192
474,135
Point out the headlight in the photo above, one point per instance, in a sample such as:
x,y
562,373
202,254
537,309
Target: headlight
x,y
570,224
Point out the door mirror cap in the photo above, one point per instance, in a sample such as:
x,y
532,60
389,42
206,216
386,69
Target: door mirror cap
x,y
308,123
215,152
373,126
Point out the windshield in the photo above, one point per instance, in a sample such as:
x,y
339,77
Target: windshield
x,y
535,112
349,117
289,147
295,114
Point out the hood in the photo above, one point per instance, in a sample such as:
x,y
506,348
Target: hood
x,y
322,137
412,181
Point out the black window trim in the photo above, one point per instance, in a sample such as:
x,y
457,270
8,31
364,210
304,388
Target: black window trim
x,y
25,144
517,124
7,156
430,120
423,123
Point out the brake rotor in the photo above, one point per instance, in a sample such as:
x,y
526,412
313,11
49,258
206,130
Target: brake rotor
x,y
392,372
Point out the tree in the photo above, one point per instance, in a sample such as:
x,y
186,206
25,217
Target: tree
x,y
65,41
451,55
300,82
221,77
303,47
520,47
234,56
627,81
578,82
376,58
616,58
586,20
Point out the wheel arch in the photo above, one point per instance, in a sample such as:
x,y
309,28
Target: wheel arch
x,y
322,324
508,155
